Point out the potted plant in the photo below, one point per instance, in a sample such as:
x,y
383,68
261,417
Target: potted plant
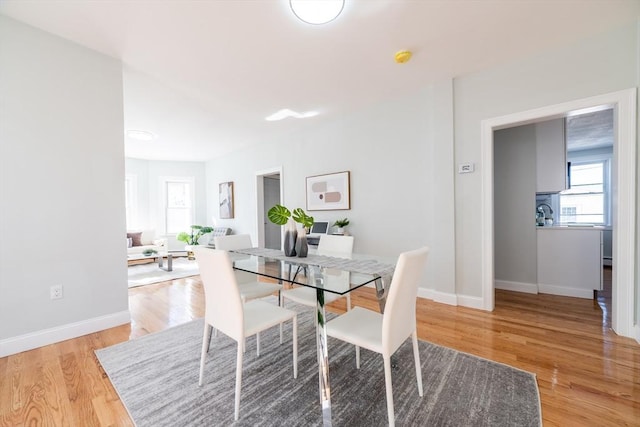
x,y
280,215
149,252
191,239
341,224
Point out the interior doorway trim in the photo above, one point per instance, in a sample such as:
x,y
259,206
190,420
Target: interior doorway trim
x,y
260,219
624,230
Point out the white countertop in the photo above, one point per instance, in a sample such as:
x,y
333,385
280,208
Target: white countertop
x,y
572,227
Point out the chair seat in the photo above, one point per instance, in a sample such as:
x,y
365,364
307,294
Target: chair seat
x,y
260,315
253,290
360,327
307,296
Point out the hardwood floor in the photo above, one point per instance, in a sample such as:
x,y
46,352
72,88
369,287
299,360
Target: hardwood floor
x,y
587,375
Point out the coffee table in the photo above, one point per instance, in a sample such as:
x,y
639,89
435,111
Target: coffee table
x,y
159,258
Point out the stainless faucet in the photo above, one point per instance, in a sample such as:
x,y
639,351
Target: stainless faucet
x,y
540,208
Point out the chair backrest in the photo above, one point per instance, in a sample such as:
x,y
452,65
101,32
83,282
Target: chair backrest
x,y
236,241
399,319
232,241
335,245
223,305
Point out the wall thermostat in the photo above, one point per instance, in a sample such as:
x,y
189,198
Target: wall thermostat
x,y
465,168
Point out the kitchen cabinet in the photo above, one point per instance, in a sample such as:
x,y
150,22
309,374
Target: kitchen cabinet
x,y
551,156
569,260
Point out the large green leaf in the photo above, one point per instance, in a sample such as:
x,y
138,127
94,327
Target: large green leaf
x,y
279,215
183,237
300,216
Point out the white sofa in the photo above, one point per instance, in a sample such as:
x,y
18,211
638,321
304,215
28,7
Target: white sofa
x,y
148,240
217,231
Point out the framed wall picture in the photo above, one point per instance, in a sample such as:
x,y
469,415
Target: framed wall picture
x,y
226,200
329,192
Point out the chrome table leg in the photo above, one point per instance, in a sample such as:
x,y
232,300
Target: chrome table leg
x,y
381,293
323,359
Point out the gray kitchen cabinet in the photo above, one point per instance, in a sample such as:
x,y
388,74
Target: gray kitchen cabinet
x,y
551,156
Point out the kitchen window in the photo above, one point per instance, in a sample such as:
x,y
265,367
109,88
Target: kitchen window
x,y
588,199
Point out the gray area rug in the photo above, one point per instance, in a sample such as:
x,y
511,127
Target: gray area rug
x,y
146,274
156,377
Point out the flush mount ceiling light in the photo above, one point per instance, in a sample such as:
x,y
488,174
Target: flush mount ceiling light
x,y
284,113
316,12
141,135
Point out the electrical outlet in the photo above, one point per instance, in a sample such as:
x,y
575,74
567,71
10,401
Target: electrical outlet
x,y
56,291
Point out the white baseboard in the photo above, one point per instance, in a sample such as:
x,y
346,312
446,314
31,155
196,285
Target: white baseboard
x,y
529,288
636,327
44,337
470,302
425,293
445,298
448,298
441,297
565,291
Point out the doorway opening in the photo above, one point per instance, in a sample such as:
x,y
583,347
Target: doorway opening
x,y
559,169
269,193
624,197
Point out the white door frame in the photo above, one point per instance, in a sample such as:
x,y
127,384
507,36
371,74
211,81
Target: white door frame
x,y
624,230
260,200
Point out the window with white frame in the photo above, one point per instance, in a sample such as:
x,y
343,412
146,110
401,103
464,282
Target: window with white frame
x,y
131,197
178,204
588,199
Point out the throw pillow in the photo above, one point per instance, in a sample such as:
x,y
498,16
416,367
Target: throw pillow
x,y
136,238
129,242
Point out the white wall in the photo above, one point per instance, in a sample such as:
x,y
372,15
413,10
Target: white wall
x,y
407,150
514,207
593,66
401,180
62,218
62,169
139,169
149,174
637,287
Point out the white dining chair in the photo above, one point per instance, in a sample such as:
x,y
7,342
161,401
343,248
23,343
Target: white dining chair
x,y
337,246
249,287
384,333
225,311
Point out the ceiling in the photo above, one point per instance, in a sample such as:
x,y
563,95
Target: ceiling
x,y
590,130
203,75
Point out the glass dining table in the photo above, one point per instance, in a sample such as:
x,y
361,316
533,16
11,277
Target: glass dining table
x,y
324,273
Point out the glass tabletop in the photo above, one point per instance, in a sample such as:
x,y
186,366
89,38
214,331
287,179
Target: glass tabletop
x,y
337,275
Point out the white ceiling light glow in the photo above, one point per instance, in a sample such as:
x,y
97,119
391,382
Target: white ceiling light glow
x,y
284,113
317,12
141,135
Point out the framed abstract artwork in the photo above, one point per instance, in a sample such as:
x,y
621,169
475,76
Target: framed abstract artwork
x,y
226,200
329,192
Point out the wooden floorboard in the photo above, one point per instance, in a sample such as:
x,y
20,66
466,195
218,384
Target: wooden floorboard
x,y
587,375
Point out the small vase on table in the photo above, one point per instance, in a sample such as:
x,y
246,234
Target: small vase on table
x,y
302,248
290,237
